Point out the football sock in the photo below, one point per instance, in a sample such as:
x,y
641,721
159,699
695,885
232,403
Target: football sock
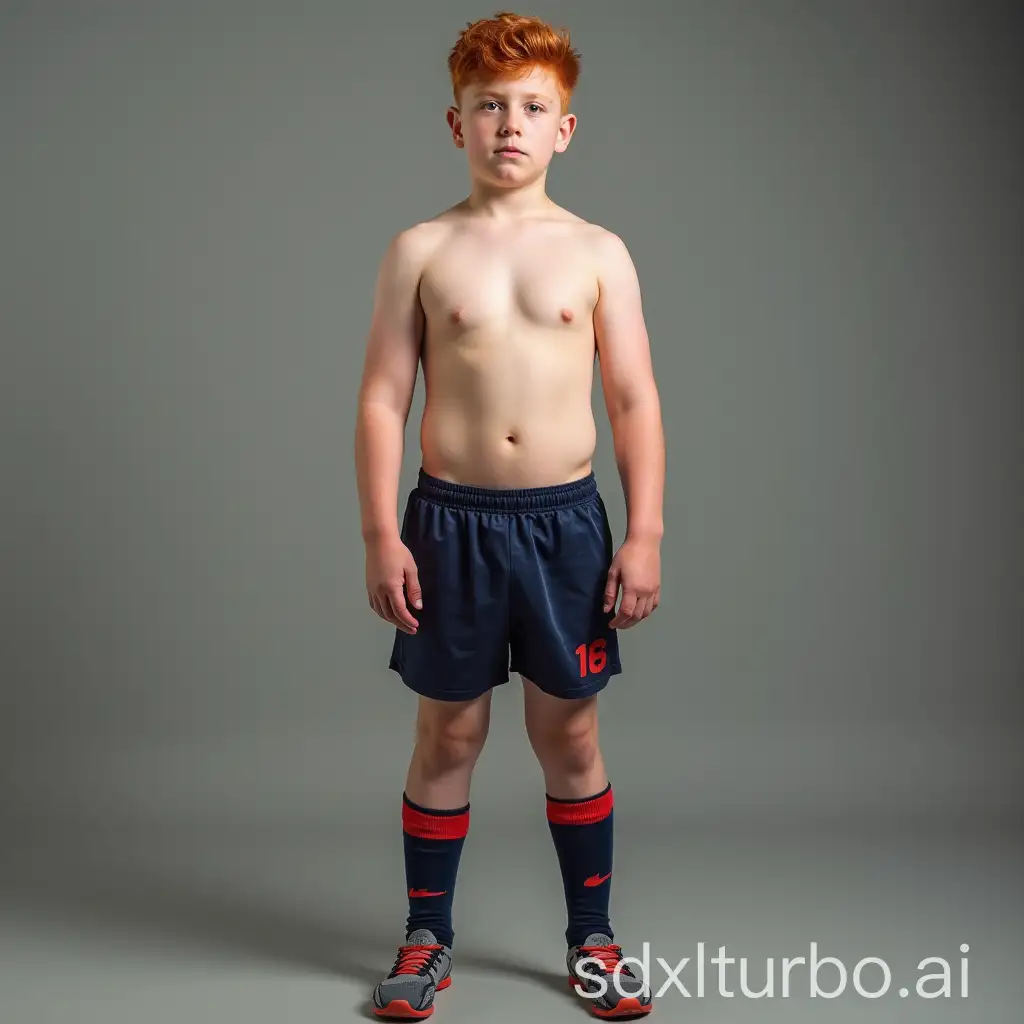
x,y
433,841
582,831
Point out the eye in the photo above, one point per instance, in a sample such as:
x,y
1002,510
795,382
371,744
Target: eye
x,y
488,103
536,107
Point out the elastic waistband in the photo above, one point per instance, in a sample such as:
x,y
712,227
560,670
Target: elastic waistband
x,y
513,499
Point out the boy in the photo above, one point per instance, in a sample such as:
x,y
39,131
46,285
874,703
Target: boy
x,y
504,546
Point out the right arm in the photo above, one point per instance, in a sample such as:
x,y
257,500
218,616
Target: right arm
x,y
389,380
385,397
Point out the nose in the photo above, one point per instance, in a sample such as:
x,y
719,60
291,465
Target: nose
x,y
510,127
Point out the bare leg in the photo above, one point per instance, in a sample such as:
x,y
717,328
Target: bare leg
x,y
450,736
564,736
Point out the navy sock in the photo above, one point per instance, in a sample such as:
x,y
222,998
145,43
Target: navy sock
x,y
433,845
582,831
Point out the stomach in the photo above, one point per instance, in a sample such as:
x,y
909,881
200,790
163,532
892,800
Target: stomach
x,y
527,443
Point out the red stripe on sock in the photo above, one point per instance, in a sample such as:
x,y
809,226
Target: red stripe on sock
x,y
581,812
424,825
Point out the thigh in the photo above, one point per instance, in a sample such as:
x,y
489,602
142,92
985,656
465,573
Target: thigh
x,y
550,717
461,647
454,719
561,637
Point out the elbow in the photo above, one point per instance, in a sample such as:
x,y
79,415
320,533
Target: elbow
x,y
635,398
383,397
375,415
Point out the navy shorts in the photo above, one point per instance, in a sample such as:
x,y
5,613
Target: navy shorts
x,y
513,581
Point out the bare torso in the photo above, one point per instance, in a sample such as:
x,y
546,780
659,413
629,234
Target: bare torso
x,y
509,350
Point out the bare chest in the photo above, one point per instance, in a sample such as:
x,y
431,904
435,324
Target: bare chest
x,y
480,286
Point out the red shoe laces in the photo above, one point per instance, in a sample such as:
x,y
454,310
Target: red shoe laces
x,y
413,959
609,956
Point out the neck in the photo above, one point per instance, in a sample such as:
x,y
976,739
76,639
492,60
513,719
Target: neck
x,y
492,201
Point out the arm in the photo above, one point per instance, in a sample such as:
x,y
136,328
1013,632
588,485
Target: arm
x,y
388,382
631,395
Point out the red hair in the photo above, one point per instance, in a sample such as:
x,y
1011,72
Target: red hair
x,y
511,46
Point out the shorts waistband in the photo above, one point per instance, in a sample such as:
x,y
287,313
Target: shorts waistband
x,y
513,499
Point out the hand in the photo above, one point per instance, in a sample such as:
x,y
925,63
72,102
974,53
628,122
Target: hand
x,y
390,566
636,568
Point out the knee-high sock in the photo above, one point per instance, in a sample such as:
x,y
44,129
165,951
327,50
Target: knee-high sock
x,y
433,842
582,830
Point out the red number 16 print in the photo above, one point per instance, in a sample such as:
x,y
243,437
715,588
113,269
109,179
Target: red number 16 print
x,y
592,657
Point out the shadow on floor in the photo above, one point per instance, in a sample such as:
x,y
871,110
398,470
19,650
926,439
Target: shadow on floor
x,y
187,910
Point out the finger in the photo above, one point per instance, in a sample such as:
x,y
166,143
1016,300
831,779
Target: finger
x,y
401,607
377,606
384,609
412,587
644,608
611,590
626,607
637,614
641,609
403,617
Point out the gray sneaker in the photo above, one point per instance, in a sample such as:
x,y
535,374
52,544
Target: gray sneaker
x,y
423,966
625,994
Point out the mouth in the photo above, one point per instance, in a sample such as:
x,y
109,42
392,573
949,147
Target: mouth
x,y
509,150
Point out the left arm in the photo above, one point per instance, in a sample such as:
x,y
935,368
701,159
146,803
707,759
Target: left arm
x,y
634,414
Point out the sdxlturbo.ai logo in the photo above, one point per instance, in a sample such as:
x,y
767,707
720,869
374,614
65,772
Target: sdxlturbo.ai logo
x,y
871,977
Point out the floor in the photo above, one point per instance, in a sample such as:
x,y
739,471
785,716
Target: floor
x,y
204,921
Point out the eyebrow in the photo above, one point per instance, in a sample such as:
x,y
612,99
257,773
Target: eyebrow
x,y
528,96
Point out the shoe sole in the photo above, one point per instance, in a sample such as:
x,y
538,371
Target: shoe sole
x,y
399,1009
627,1006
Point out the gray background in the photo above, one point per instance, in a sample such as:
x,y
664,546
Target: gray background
x,y
817,735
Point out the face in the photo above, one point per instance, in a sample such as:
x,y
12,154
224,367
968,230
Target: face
x,y
511,128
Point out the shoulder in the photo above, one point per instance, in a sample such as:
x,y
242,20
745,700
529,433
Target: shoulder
x,y
408,253
609,246
608,249
605,249
612,260
413,245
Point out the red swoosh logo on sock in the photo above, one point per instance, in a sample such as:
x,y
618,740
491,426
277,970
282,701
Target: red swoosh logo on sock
x,y
597,879
413,893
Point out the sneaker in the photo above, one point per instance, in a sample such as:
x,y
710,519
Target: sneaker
x,y
625,995
423,966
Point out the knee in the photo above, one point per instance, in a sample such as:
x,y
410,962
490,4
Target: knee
x,y
569,747
450,743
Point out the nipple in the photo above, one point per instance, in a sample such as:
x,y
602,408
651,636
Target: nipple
x,y
456,315
567,315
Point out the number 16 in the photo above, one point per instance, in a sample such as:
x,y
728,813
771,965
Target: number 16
x,y
593,657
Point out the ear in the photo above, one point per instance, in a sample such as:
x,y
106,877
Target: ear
x,y
565,133
455,123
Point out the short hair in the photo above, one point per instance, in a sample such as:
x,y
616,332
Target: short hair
x,y
512,45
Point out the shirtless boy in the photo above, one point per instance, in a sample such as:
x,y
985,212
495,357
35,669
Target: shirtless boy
x,y
503,560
